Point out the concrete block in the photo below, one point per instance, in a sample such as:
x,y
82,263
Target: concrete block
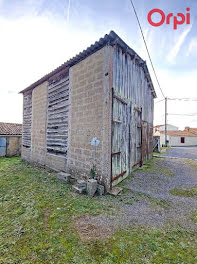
x,y
115,191
77,189
64,177
81,184
100,189
72,180
91,187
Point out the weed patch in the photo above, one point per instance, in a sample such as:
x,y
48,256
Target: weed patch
x,y
192,163
155,166
194,216
192,192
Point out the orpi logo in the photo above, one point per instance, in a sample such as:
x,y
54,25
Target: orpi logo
x,y
179,19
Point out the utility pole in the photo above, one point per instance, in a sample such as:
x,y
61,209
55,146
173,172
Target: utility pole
x,y
166,144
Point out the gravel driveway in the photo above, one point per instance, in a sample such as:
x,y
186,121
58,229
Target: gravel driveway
x,y
149,196
183,152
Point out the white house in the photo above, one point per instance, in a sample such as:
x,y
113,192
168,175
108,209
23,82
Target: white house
x,y
186,137
159,128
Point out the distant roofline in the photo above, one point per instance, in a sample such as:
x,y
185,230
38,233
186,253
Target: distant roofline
x,y
164,125
180,133
10,129
18,124
111,39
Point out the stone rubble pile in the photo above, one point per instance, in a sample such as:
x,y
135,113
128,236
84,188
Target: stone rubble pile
x,y
91,186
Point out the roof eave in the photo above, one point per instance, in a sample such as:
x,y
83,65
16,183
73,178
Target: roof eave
x,y
111,39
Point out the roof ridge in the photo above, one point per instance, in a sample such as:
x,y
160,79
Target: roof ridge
x,y
112,38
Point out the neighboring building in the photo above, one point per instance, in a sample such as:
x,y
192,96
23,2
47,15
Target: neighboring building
x,y
193,130
104,92
10,139
179,138
159,128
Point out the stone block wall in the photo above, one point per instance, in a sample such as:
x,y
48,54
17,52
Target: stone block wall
x,y
26,154
13,146
38,151
90,115
39,115
55,162
90,92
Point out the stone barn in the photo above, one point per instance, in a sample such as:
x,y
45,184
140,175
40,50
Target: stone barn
x,y
104,95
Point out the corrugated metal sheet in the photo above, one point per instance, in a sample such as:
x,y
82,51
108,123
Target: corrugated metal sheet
x,y
109,39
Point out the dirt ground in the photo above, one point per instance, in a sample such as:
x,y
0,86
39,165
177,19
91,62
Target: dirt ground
x,y
163,193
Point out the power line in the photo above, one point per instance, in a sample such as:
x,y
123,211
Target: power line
x,y
194,114
159,101
179,99
184,99
146,47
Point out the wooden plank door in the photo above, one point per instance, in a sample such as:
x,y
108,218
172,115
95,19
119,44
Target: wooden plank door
x,y
126,139
137,137
144,141
120,140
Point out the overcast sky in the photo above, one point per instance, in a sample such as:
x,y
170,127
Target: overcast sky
x,y
36,36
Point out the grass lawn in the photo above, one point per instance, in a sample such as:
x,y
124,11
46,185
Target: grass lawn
x,y
37,216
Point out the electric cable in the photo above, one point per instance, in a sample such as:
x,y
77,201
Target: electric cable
x,y
147,47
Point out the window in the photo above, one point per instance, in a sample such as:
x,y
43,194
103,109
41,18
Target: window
x,y
182,140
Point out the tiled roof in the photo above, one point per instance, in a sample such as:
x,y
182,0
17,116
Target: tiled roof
x,y
109,39
10,129
193,130
180,133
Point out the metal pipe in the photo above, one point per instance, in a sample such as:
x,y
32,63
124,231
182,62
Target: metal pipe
x,y
118,176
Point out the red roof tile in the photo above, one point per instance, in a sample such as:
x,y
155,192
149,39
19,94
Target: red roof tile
x,y
180,133
10,129
193,130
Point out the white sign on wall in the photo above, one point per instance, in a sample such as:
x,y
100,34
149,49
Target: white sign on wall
x,y
95,142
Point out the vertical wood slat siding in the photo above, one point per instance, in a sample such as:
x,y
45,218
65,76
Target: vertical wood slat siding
x,y
57,117
27,120
130,85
